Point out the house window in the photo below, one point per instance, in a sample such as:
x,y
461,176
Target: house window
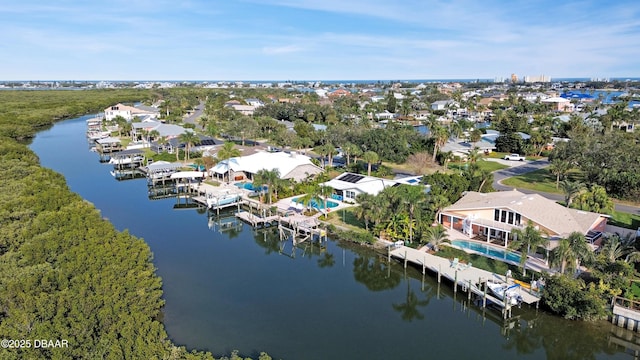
x,y
350,194
496,214
510,217
503,216
518,219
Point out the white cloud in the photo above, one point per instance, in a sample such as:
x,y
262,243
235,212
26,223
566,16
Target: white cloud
x,y
277,50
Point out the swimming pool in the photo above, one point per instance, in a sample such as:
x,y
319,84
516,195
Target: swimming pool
x,y
488,250
318,203
249,186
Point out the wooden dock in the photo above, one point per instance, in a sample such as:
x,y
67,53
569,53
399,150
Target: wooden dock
x,y
256,220
470,279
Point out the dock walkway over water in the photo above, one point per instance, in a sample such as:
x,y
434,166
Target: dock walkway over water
x,y
465,276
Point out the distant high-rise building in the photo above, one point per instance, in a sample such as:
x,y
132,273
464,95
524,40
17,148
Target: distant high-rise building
x,y
537,79
514,78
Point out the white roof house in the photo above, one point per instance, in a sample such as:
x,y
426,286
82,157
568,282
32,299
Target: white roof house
x,y
350,185
167,130
128,112
443,104
291,166
559,104
463,148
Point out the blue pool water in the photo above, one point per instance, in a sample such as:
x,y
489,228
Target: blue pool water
x,y
198,167
318,203
488,250
249,186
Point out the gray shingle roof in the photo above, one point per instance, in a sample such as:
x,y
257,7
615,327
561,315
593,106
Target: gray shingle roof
x,y
547,213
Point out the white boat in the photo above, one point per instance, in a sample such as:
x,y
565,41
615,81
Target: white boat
x,y
95,135
126,160
217,200
506,292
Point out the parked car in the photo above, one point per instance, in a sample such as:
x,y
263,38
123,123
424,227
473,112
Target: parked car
x,y
514,157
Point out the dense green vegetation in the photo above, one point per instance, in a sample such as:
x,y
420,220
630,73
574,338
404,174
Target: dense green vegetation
x,y
65,273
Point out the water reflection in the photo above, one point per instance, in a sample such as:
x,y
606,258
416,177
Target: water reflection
x,y
375,274
409,309
327,260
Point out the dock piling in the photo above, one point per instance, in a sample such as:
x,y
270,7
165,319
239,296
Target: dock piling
x,y
455,283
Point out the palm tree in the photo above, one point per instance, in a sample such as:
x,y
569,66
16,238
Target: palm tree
x,y
310,194
363,211
395,225
125,127
571,189
412,196
475,135
446,158
153,134
474,155
435,236
324,192
559,168
370,157
121,123
440,136
162,141
571,251
269,178
144,134
226,152
323,151
526,239
617,247
350,149
561,255
188,138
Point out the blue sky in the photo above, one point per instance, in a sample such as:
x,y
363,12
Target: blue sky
x,y
317,39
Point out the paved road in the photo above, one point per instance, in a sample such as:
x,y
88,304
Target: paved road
x,y
500,175
196,114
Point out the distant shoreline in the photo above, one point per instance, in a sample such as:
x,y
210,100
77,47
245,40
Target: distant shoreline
x,y
347,81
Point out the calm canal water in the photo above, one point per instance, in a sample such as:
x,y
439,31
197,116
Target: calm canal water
x,y
237,289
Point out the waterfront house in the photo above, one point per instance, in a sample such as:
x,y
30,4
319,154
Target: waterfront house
x,y
168,131
349,185
129,112
493,216
291,165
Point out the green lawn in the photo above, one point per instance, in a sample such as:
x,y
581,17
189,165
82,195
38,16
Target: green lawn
x,y
539,180
625,220
500,155
483,164
346,218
